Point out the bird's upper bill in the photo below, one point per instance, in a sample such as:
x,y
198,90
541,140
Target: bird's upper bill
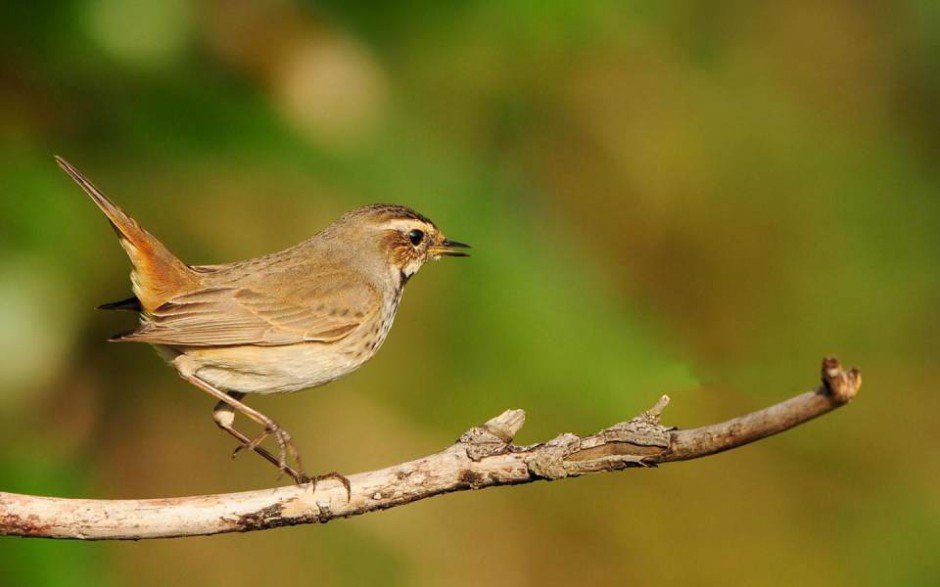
x,y
449,248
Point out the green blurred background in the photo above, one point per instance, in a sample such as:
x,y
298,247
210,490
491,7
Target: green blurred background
x,y
695,198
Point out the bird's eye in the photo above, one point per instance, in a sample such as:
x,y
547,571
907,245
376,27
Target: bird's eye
x,y
416,236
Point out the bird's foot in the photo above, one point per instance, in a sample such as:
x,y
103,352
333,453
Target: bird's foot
x,y
334,476
287,451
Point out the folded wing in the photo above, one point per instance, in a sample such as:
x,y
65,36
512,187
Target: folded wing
x,y
280,311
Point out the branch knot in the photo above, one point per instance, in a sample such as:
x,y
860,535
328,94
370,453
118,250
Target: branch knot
x,y
493,437
549,461
643,430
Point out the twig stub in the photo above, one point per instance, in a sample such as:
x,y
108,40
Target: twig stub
x,y
841,385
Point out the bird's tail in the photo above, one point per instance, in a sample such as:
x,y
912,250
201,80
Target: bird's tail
x,y
157,274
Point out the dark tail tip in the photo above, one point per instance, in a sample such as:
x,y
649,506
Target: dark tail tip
x,y
131,304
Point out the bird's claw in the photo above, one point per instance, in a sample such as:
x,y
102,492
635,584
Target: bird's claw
x,y
343,480
287,452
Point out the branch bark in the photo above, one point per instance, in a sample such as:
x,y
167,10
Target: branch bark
x,y
483,457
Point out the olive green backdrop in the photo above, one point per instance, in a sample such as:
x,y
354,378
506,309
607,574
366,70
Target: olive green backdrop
x,y
697,198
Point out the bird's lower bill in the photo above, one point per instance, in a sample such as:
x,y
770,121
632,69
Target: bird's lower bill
x,y
450,248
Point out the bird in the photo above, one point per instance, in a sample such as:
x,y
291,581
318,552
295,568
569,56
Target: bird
x,y
291,320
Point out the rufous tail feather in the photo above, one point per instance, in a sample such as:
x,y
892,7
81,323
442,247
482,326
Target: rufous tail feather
x,y
157,273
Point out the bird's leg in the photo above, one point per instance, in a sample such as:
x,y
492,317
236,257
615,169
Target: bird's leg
x,y
225,416
284,443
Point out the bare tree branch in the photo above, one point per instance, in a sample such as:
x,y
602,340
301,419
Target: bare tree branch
x,y
483,457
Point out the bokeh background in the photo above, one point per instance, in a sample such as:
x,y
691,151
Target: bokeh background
x,y
695,198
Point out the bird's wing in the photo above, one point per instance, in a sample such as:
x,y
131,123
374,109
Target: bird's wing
x,y
277,311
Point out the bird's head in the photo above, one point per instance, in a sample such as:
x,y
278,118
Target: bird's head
x,y
404,239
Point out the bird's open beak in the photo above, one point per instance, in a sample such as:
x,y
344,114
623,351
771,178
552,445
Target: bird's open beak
x,y
450,248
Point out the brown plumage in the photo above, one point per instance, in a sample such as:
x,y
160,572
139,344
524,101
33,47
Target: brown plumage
x,y
290,320
157,274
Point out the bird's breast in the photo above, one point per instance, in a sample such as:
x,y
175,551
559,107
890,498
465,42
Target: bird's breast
x,y
288,368
369,337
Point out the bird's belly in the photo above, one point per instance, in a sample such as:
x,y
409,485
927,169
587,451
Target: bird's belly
x,y
272,369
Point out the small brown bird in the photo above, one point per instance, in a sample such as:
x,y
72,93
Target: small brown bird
x,y
291,320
